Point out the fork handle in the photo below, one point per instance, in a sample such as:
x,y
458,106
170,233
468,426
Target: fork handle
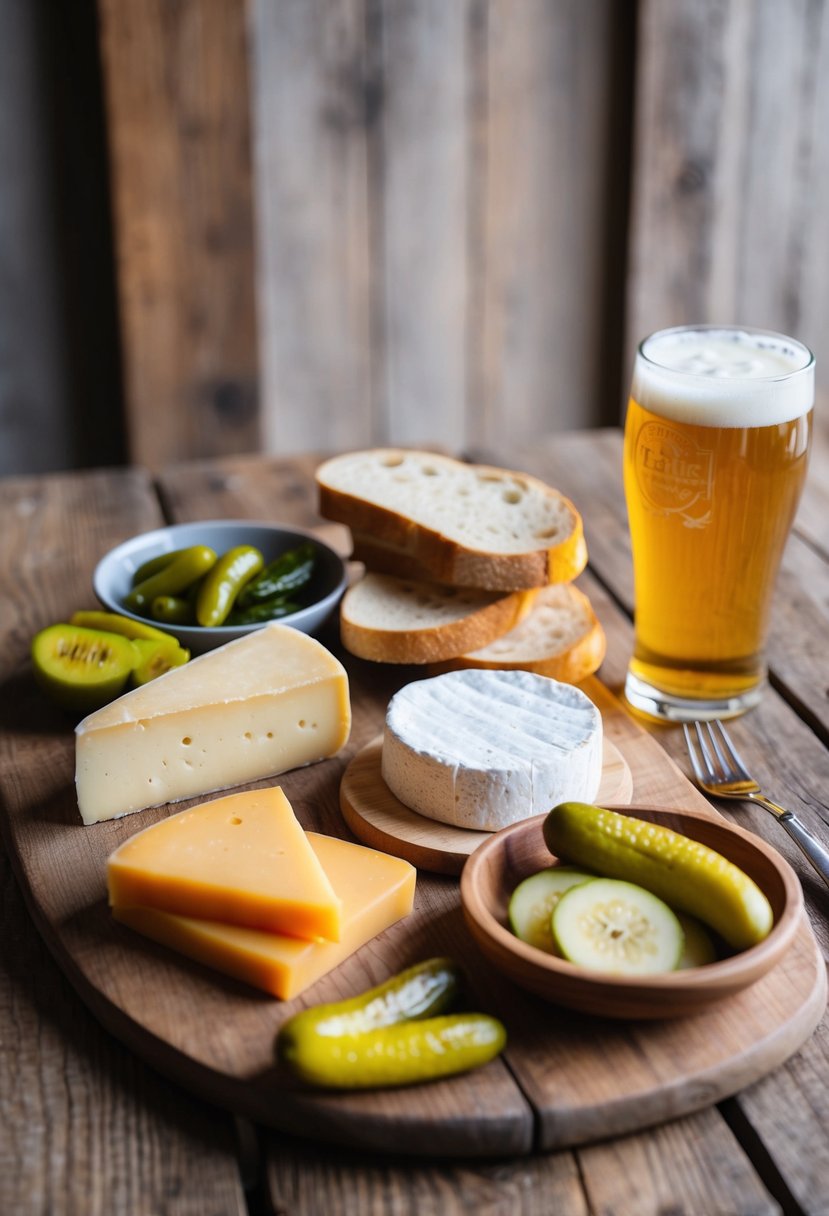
x,y
803,838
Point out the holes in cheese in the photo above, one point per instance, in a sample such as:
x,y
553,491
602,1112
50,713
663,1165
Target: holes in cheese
x,y
228,717
376,891
243,860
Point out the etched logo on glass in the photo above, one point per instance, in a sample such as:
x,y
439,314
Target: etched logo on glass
x,y
674,475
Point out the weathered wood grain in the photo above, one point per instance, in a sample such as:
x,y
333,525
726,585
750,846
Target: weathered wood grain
x,y
315,100
54,531
176,80
306,1181
728,163
543,174
415,235
690,1166
778,746
87,1128
438,240
426,192
35,404
280,491
269,488
796,1103
687,1168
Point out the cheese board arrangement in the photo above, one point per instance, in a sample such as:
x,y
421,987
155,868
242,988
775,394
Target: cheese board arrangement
x,y
201,887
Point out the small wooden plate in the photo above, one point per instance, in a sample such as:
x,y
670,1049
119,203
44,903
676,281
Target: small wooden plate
x,y
379,819
518,851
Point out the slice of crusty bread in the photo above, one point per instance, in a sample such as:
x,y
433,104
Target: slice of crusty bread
x,y
423,515
395,620
559,637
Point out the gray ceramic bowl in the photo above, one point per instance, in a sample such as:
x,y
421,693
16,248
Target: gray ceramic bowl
x,y
113,574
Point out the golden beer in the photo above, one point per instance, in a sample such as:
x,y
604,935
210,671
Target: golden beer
x,y
716,448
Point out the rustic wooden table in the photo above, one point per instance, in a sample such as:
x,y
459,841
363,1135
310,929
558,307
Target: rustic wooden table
x,y
88,1128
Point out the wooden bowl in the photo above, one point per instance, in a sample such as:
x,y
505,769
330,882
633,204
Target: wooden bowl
x,y
497,866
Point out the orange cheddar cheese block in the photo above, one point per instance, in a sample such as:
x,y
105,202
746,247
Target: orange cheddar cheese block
x,y
242,859
376,891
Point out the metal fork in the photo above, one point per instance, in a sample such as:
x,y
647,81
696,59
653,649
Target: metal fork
x,y
719,770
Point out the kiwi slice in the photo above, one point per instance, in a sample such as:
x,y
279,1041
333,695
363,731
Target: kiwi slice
x,y
617,927
81,669
154,656
532,903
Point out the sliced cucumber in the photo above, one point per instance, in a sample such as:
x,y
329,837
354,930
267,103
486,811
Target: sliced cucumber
x,y
533,901
699,947
617,927
689,875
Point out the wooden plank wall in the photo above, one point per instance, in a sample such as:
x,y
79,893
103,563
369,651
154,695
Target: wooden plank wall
x,y
348,222
732,168
311,98
34,405
431,183
176,83
59,360
422,264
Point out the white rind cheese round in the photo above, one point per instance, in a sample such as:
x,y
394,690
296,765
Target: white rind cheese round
x,y
483,749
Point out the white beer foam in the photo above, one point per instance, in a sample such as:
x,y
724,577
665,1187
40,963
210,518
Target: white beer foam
x,y
724,377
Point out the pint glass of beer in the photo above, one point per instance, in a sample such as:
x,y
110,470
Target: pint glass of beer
x,y
716,447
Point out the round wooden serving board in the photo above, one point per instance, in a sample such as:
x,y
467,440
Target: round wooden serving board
x,y
564,1079
379,819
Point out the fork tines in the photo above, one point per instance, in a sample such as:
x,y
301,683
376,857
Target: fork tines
x,y
713,756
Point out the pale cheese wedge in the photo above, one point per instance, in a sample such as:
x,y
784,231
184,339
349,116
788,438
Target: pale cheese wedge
x,y
254,708
376,891
243,859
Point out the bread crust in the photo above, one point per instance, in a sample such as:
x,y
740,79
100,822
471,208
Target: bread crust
x,y
392,542
570,665
432,643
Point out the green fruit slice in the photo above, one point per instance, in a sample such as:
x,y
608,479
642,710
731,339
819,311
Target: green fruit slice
x,y
154,656
81,669
534,900
699,947
113,622
617,927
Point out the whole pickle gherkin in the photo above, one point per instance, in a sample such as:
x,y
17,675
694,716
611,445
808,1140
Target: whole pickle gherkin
x,y
687,875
